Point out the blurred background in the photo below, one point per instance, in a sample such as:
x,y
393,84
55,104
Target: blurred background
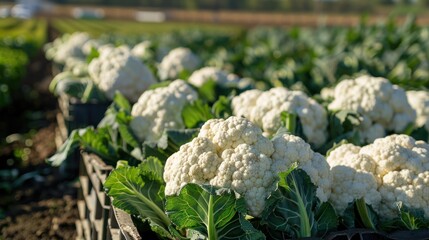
x,y
278,11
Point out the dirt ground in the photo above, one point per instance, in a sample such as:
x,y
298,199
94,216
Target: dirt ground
x,y
43,205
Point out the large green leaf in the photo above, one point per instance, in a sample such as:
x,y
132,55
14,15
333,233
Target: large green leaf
x,y
120,105
99,142
408,218
172,139
208,91
360,215
222,107
342,126
153,166
68,147
412,219
212,212
140,191
128,136
169,143
196,113
295,211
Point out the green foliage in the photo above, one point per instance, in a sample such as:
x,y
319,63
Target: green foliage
x,y
112,140
92,55
26,35
159,85
213,213
140,191
291,124
222,107
360,215
196,114
13,63
342,127
293,210
81,88
169,143
20,40
412,219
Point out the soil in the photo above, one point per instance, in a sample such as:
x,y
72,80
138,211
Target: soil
x,y
43,204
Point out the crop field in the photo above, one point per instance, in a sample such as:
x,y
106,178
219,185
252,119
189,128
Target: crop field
x,y
205,131
19,41
123,27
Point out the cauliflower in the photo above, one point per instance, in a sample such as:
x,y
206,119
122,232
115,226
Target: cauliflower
x,y
176,61
68,46
390,170
264,109
142,50
233,153
78,66
117,70
419,101
384,106
161,108
90,44
327,93
203,75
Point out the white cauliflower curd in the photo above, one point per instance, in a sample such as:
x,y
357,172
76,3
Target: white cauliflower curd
x,y
161,108
176,61
391,170
383,106
233,153
203,75
265,108
117,70
69,45
419,101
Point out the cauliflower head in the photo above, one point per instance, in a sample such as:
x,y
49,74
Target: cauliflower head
x,y
264,109
71,46
233,153
160,109
203,75
78,66
383,106
142,50
92,44
176,61
419,101
117,70
392,169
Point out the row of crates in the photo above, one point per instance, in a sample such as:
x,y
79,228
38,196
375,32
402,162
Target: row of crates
x,y
98,219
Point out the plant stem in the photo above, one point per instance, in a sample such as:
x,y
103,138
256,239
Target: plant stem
x,y
211,229
364,214
305,229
